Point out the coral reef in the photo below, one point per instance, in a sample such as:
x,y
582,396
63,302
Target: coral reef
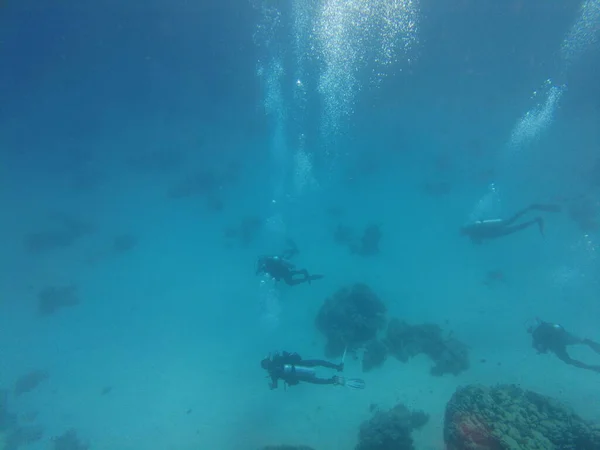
x,y
350,318
506,417
374,355
390,430
405,341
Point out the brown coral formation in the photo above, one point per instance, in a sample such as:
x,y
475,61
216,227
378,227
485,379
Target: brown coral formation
x,y
506,417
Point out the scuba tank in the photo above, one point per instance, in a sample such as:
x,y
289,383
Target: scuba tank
x,y
489,223
298,371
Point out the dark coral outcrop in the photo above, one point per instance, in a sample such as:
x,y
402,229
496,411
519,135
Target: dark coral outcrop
x,y
406,341
390,430
350,318
374,355
286,447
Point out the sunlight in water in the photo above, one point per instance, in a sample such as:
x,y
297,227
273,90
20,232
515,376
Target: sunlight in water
x,y
538,119
270,306
357,35
583,34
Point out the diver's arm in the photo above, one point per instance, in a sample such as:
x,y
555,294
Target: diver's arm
x,y
287,264
541,348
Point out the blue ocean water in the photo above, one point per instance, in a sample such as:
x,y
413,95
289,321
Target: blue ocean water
x,y
151,153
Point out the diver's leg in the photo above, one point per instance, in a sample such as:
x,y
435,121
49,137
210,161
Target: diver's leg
x,y
546,208
591,344
320,363
564,357
306,278
506,230
304,373
571,339
533,207
317,380
294,281
518,215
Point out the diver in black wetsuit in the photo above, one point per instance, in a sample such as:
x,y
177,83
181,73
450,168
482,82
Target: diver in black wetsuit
x,y
281,269
495,228
553,337
292,369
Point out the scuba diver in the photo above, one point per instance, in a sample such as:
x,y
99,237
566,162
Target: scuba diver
x,y
292,369
495,228
553,337
280,268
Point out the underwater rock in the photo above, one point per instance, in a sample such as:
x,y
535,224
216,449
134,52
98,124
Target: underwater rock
x,y
370,241
374,356
29,381
390,430
437,188
286,447
343,235
8,420
215,204
69,441
22,436
246,232
13,435
451,356
200,183
406,341
368,245
62,232
53,298
494,277
350,318
585,212
506,417
124,243
156,161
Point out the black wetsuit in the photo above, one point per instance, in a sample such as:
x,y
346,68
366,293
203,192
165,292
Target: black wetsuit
x,y
281,269
292,369
491,229
553,337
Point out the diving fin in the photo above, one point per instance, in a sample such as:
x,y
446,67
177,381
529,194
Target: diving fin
x,y
311,278
546,208
352,383
355,383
